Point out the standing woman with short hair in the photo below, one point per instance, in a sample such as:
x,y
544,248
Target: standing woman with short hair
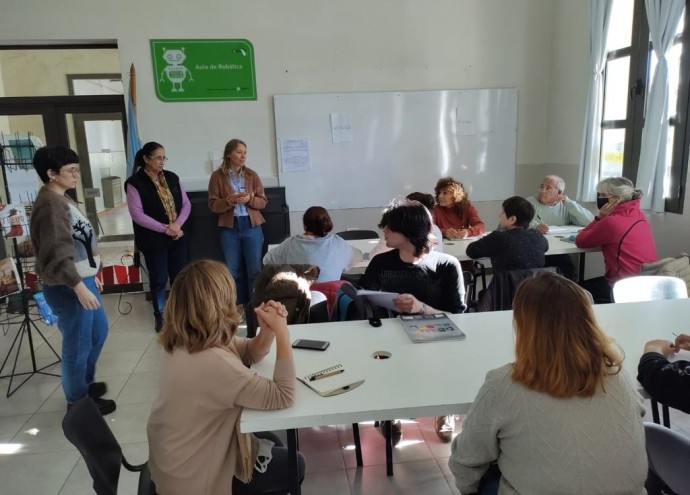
x,y
66,257
159,208
236,194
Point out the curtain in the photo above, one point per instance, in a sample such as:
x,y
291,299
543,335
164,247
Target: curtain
x,y
599,18
663,17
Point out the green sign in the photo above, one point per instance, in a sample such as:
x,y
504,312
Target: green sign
x,y
203,70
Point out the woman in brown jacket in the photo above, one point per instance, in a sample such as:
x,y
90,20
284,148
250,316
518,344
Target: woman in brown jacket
x,y
236,194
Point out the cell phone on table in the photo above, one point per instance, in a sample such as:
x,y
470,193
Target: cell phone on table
x,y
312,345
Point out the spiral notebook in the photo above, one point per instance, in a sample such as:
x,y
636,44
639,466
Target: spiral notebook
x,y
430,328
331,381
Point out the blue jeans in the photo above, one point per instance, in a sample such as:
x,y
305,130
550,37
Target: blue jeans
x,y
163,263
83,335
242,246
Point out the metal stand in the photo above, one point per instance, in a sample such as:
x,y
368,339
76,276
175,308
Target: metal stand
x,y
25,328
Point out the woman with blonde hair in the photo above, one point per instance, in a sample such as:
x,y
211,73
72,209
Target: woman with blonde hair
x,y
195,445
564,417
454,214
236,194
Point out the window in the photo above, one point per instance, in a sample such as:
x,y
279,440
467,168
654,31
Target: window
x,y
630,64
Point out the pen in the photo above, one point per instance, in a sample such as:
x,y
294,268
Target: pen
x,y
326,375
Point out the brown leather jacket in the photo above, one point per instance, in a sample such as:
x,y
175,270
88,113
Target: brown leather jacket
x,y
220,187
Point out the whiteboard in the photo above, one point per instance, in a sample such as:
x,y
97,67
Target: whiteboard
x,y
385,145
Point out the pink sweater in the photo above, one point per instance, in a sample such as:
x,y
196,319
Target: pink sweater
x,y
192,439
637,246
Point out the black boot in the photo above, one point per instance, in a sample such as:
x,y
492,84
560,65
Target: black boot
x,y
159,321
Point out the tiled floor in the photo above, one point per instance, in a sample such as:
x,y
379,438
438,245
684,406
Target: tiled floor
x,y
36,459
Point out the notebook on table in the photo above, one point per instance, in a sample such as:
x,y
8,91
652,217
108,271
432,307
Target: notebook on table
x,y
430,328
331,381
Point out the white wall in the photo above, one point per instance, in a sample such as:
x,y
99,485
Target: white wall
x,y
303,46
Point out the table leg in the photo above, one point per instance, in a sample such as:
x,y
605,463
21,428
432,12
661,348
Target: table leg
x,y
293,446
358,444
581,268
388,428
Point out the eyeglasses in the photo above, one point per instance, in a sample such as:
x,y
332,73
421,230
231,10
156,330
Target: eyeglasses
x,y
159,158
70,170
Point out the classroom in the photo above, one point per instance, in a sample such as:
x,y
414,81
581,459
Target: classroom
x,y
540,48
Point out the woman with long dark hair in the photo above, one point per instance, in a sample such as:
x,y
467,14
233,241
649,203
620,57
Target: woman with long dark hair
x,y
159,208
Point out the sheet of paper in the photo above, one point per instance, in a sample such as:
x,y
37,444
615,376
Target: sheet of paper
x,y
294,155
564,229
383,299
341,129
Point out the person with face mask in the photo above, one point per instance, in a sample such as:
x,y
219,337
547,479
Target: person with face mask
x,y
622,231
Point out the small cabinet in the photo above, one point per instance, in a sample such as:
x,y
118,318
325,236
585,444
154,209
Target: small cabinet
x,y
112,191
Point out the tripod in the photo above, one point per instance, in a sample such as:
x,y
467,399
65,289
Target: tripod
x,y
26,328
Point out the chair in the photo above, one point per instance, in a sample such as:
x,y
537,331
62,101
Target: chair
x,y
470,290
357,234
318,307
86,429
649,288
499,295
668,452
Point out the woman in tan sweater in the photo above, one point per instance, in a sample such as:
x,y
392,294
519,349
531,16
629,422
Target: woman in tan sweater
x,y
194,441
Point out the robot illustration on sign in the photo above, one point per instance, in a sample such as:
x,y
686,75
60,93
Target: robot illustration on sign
x,y
175,71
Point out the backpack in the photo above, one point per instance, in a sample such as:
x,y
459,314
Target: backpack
x,y
349,306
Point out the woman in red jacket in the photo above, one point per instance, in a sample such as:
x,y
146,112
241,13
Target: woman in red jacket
x,y
454,214
622,231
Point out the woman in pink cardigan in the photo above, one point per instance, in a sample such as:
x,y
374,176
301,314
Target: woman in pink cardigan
x,y
454,214
195,445
622,231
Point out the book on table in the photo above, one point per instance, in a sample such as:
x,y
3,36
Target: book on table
x,y
331,381
430,328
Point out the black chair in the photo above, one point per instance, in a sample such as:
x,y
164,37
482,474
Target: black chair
x,y
470,290
499,295
318,308
356,234
86,429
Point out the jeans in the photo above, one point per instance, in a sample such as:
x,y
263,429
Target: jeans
x,y
83,335
277,476
164,263
242,246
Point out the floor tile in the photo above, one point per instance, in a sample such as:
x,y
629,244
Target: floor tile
x,y
36,474
415,477
43,433
141,387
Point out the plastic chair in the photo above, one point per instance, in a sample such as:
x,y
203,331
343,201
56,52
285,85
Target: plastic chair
x,y
649,288
357,234
86,429
668,452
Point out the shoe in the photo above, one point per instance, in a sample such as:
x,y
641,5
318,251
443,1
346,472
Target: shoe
x,y
97,389
396,430
106,406
159,322
444,426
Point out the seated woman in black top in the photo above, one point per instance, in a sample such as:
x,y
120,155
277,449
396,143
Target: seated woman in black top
x,y
428,281
516,247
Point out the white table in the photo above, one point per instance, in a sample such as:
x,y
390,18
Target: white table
x,y
432,379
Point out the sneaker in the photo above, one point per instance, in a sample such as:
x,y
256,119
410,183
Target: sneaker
x,y
396,430
106,406
444,426
97,389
